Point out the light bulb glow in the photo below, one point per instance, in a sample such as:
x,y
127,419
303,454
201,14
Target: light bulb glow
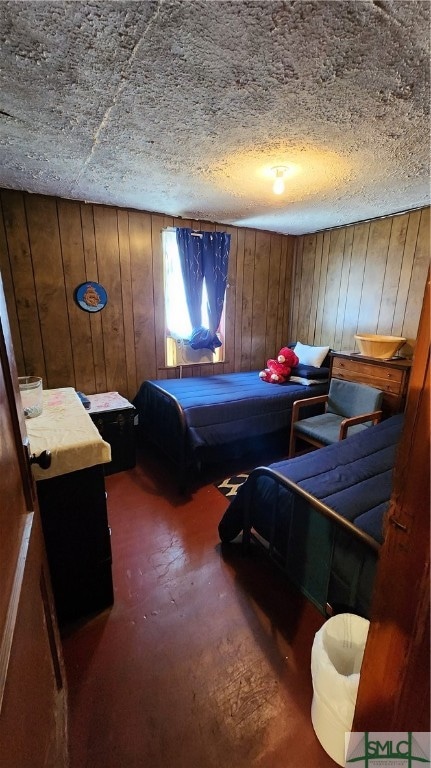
x,y
278,186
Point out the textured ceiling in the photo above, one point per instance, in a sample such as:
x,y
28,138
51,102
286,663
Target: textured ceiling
x,y
183,107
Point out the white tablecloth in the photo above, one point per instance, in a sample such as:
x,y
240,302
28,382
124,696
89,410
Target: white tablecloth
x,y
107,401
65,428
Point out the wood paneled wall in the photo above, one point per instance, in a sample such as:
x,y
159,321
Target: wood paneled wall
x,y
319,288
48,246
365,278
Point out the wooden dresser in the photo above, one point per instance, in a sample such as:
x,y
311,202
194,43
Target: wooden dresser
x,y
391,376
72,501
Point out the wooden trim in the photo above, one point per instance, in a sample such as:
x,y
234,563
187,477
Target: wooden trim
x,y
50,627
12,611
394,688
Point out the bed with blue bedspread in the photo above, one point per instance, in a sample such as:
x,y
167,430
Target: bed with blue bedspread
x,y
320,515
193,420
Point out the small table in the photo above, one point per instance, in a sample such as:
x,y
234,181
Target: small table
x,y
114,417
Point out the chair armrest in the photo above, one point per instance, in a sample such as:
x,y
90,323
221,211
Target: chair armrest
x,y
298,404
374,416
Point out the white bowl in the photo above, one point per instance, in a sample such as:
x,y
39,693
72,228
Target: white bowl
x,y
381,347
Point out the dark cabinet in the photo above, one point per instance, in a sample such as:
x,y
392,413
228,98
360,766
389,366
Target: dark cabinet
x,y
117,428
77,537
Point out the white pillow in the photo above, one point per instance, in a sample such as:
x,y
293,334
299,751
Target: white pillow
x,y
310,355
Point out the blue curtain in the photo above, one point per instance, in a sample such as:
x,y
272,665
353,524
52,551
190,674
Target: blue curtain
x,y
191,267
204,257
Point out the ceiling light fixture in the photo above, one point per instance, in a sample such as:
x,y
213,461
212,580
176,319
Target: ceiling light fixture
x,y
279,172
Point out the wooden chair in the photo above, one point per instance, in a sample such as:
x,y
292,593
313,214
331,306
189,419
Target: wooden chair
x,y
348,406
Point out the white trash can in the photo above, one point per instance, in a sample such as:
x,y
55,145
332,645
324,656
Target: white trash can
x,y
336,658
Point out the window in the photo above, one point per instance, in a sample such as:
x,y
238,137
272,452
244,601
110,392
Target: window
x,y
178,326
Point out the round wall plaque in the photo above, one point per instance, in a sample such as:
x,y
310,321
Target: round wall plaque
x,y
91,297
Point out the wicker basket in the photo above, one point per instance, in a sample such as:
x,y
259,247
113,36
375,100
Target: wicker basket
x,y
382,347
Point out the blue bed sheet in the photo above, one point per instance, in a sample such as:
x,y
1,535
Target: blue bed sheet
x,y
352,477
216,410
330,554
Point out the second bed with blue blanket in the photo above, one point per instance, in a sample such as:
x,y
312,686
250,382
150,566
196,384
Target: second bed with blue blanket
x,y
321,515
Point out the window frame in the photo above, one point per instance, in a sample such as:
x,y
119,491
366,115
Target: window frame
x,y
177,346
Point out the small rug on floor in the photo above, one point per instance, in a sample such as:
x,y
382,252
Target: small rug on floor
x,y
229,486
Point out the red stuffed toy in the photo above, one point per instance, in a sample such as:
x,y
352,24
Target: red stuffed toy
x,y
278,371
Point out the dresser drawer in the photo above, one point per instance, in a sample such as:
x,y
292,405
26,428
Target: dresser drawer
x,y
385,384
380,372
388,380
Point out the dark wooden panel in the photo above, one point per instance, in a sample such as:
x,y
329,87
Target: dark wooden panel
x,y
142,291
47,263
304,286
369,278
375,268
89,244
23,285
106,235
230,299
318,336
344,281
332,291
317,288
238,288
288,249
158,223
416,283
392,274
247,299
296,282
273,301
7,279
260,301
406,270
284,287
127,300
70,228
355,284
